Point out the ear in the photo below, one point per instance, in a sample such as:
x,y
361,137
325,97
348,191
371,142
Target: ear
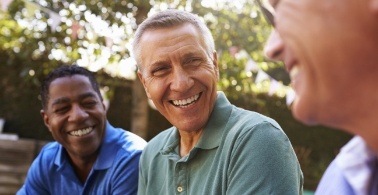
x,y
215,63
104,106
45,118
142,80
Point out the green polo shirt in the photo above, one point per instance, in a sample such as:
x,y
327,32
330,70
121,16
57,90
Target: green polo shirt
x,y
239,152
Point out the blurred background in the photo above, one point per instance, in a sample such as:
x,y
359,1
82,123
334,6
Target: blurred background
x,y
37,36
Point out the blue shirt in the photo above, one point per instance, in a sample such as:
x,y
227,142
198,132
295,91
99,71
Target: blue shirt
x,y
114,172
239,152
353,172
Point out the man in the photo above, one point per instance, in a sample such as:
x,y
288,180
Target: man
x,y
213,146
330,49
89,155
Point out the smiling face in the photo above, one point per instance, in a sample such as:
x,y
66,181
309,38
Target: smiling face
x,y
75,116
323,44
178,75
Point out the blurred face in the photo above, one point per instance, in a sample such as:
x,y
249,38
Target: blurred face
x,y
323,44
178,75
75,116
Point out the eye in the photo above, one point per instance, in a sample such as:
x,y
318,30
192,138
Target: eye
x,y
160,71
193,61
89,103
61,110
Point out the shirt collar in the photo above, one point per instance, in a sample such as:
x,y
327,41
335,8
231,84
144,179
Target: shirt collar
x,y
357,162
215,127
109,148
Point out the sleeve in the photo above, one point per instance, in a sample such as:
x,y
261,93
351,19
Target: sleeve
x,y
126,179
34,182
142,186
264,162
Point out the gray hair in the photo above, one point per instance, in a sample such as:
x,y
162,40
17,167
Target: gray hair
x,y
172,18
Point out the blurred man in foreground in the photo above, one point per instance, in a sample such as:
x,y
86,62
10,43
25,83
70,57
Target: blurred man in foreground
x,y
330,49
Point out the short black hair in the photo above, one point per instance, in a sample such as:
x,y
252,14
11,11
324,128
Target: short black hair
x,y
66,71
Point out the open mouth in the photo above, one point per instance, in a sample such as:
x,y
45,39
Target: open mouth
x,y
186,102
81,132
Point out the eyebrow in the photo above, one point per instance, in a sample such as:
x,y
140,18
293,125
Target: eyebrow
x,y
159,62
189,55
60,101
183,58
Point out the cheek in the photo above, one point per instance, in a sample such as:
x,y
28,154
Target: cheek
x,y
54,126
156,89
209,77
55,132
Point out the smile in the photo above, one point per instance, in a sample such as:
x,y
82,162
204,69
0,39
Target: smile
x,y
186,102
81,132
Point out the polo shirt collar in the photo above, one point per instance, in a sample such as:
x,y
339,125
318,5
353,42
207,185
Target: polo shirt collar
x,y
108,150
215,127
171,145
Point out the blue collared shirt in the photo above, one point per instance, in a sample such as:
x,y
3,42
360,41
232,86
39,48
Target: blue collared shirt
x,y
114,172
353,172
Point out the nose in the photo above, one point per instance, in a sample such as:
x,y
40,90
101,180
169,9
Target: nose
x,y
181,80
274,47
77,114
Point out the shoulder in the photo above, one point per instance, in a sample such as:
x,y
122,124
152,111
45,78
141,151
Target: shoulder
x,y
124,139
49,151
44,162
121,150
252,118
333,181
133,142
244,122
162,136
250,133
156,144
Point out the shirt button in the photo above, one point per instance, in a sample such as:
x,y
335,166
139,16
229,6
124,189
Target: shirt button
x,y
179,189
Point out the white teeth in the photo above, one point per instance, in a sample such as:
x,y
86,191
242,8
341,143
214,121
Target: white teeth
x,y
293,72
185,102
81,132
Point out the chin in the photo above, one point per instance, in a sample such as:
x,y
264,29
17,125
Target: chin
x,y
304,114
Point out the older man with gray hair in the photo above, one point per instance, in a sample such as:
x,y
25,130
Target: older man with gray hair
x,y
213,146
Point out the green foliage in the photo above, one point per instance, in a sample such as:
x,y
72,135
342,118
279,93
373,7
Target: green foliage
x,y
29,49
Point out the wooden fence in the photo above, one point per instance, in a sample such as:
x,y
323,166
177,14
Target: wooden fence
x,y
15,159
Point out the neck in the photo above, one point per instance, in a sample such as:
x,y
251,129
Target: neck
x,y
361,118
355,109
82,166
83,171
188,140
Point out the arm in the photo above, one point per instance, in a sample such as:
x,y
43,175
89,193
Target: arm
x,y
263,162
142,183
34,183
